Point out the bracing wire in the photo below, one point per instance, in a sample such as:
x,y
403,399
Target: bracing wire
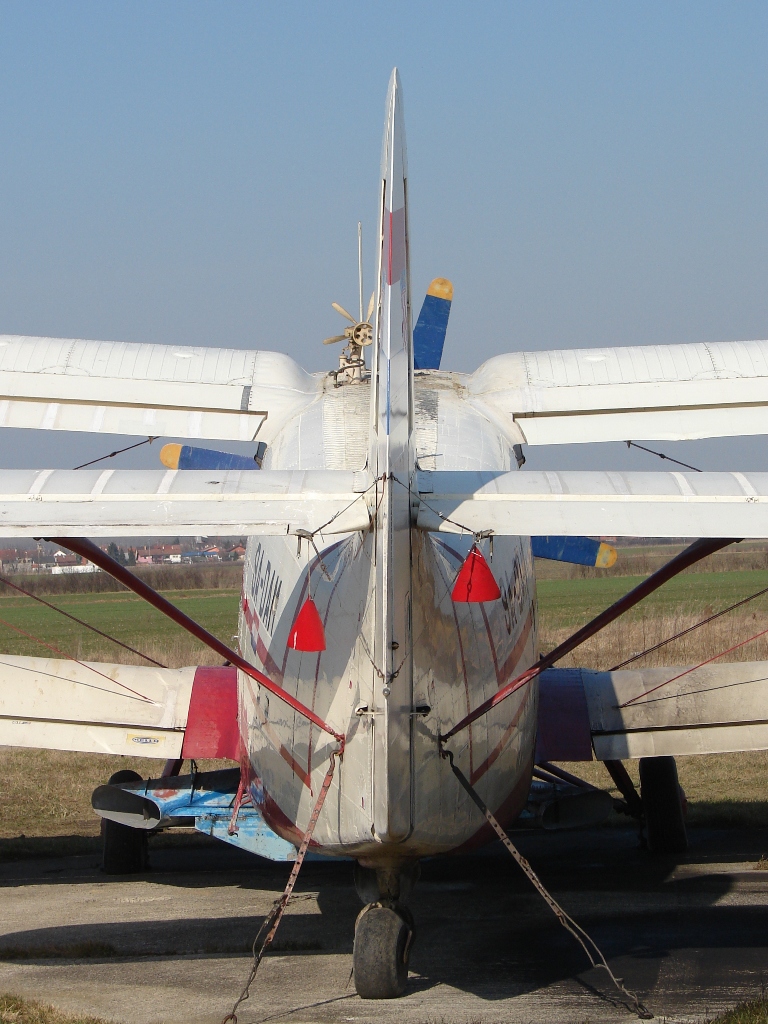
x,y
120,451
661,455
81,622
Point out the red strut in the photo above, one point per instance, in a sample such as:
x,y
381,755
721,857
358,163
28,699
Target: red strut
x,y
87,549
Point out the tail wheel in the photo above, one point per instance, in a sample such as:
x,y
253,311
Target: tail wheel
x,y
381,951
124,849
663,805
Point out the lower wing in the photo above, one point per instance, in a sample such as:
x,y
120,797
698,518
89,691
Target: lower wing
x,y
652,712
118,709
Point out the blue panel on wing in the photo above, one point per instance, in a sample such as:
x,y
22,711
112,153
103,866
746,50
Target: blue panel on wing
x,y
184,456
579,550
429,332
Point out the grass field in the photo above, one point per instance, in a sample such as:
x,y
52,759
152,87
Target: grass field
x,y
121,615
570,603
46,794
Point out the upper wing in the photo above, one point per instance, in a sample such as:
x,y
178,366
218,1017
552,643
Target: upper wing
x,y
714,709
108,503
654,392
160,390
596,504
118,709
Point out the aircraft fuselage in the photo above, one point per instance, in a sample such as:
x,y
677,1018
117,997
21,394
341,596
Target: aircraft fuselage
x,y
393,796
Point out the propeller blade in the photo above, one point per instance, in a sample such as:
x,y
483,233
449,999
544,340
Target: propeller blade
x,y
330,341
577,550
429,332
184,456
340,309
370,307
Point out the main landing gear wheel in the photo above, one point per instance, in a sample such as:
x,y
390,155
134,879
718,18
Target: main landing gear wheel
x,y
381,951
663,805
124,849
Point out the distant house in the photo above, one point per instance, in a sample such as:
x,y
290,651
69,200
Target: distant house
x,y
9,559
236,553
62,558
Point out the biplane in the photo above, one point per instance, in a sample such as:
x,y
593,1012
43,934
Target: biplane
x,y
388,611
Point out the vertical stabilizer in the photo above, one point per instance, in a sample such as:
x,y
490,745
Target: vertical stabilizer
x,y
393,461
392,398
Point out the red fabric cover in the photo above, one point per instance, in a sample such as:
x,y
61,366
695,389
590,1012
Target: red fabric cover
x,y
475,582
564,728
212,727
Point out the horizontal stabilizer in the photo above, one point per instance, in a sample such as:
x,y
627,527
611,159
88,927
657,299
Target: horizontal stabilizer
x,y
184,456
150,390
615,504
430,329
118,709
577,550
653,392
714,709
108,503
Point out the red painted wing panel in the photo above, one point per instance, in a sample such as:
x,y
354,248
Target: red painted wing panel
x,y
564,732
212,727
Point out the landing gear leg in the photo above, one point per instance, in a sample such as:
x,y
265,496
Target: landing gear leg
x,y
383,931
663,805
124,849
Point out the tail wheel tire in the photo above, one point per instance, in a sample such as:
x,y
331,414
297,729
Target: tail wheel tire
x,y
124,849
380,957
663,805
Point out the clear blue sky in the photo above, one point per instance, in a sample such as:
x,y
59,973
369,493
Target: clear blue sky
x,y
189,172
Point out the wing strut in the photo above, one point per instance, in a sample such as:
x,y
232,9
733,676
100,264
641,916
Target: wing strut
x,y
693,553
87,549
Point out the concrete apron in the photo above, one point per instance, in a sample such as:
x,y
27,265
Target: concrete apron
x,y
170,946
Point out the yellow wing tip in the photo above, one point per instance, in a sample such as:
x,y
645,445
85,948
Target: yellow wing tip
x,y
606,556
441,288
169,455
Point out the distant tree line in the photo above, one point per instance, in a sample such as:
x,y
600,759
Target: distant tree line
x,y
121,555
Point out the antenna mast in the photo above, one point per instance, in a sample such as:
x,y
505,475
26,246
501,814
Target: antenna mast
x,y
360,265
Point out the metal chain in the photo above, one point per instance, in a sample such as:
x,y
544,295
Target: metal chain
x,y
586,942
272,920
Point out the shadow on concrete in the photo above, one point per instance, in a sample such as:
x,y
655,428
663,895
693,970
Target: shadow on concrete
x,y
480,926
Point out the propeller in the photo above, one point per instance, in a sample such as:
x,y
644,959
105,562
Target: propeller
x,y
361,333
340,309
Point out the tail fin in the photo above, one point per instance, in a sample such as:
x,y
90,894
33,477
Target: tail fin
x,y
393,462
392,371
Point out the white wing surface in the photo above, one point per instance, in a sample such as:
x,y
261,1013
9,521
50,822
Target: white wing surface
x,y
108,503
596,503
655,392
159,390
714,709
103,708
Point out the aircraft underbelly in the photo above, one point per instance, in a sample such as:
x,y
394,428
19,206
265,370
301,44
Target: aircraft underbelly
x,y
393,796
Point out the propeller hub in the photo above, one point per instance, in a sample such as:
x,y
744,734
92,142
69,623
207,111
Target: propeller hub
x,y
361,334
